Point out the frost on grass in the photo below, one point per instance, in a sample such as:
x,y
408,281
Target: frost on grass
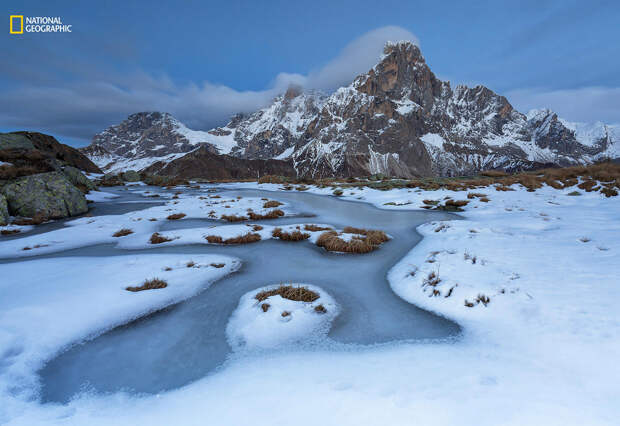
x,y
278,315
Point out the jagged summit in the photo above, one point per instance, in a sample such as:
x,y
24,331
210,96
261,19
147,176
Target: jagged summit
x,y
397,119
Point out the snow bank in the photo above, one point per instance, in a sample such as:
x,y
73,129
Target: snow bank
x,y
42,301
251,327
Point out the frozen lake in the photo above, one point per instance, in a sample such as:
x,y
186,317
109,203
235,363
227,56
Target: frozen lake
x,y
187,341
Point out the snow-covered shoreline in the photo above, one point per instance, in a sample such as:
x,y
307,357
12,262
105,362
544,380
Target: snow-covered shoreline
x,y
542,350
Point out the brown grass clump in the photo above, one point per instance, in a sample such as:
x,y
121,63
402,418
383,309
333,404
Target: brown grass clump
x,y
233,218
290,236
272,214
9,231
272,179
218,265
242,239
37,219
286,313
157,238
257,228
191,264
297,294
365,243
320,309
214,239
472,195
122,232
315,228
493,173
609,192
271,204
176,216
265,307
151,284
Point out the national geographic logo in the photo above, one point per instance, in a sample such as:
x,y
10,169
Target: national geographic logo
x,y
37,24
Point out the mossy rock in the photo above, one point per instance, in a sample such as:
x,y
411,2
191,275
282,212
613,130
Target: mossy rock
x,y
77,178
4,211
15,141
49,194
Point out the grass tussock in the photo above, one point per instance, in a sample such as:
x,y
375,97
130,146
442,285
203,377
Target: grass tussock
x,y
272,214
9,231
233,218
363,243
296,235
151,284
176,216
122,232
320,309
241,239
271,204
157,238
297,294
218,265
37,219
315,228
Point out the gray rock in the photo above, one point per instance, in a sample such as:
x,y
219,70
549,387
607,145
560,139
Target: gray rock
x,y
131,176
4,211
77,178
15,141
48,194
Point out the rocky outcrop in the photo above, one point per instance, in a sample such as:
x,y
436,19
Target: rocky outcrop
x,y
78,179
50,195
31,152
4,211
202,163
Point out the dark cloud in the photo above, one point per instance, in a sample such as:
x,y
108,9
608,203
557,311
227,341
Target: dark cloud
x,y
79,96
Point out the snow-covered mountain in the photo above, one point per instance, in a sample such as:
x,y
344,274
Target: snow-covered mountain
x,y
397,119
148,137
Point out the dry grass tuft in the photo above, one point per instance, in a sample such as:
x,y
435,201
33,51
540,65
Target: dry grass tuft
x,y
290,236
297,294
493,173
320,309
241,239
9,231
272,214
176,216
368,241
265,307
191,264
122,232
151,284
218,265
315,228
37,219
271,204
157,238
257,228
233,218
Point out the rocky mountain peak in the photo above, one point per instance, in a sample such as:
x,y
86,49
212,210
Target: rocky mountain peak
x,y
402,74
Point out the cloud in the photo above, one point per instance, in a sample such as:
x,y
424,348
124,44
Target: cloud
x,y
97,96
586,104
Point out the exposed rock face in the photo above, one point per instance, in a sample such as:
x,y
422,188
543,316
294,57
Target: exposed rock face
x,y
397,119
202,163
4,211
78,180
35,152
48,194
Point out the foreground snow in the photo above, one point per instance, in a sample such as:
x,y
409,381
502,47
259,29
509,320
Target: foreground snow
x,y
542,350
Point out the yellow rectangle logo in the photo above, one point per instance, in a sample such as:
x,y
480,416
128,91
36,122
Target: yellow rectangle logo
x,y
13,28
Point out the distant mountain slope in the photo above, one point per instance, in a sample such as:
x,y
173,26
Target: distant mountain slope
x,y
397,119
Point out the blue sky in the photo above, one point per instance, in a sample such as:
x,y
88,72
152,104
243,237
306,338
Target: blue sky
x,y
203,61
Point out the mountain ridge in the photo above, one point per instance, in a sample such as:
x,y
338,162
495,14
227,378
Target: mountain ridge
x,y
397,119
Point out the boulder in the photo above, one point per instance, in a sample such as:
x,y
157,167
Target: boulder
x,y
49,194
131,176
77,178
4,211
